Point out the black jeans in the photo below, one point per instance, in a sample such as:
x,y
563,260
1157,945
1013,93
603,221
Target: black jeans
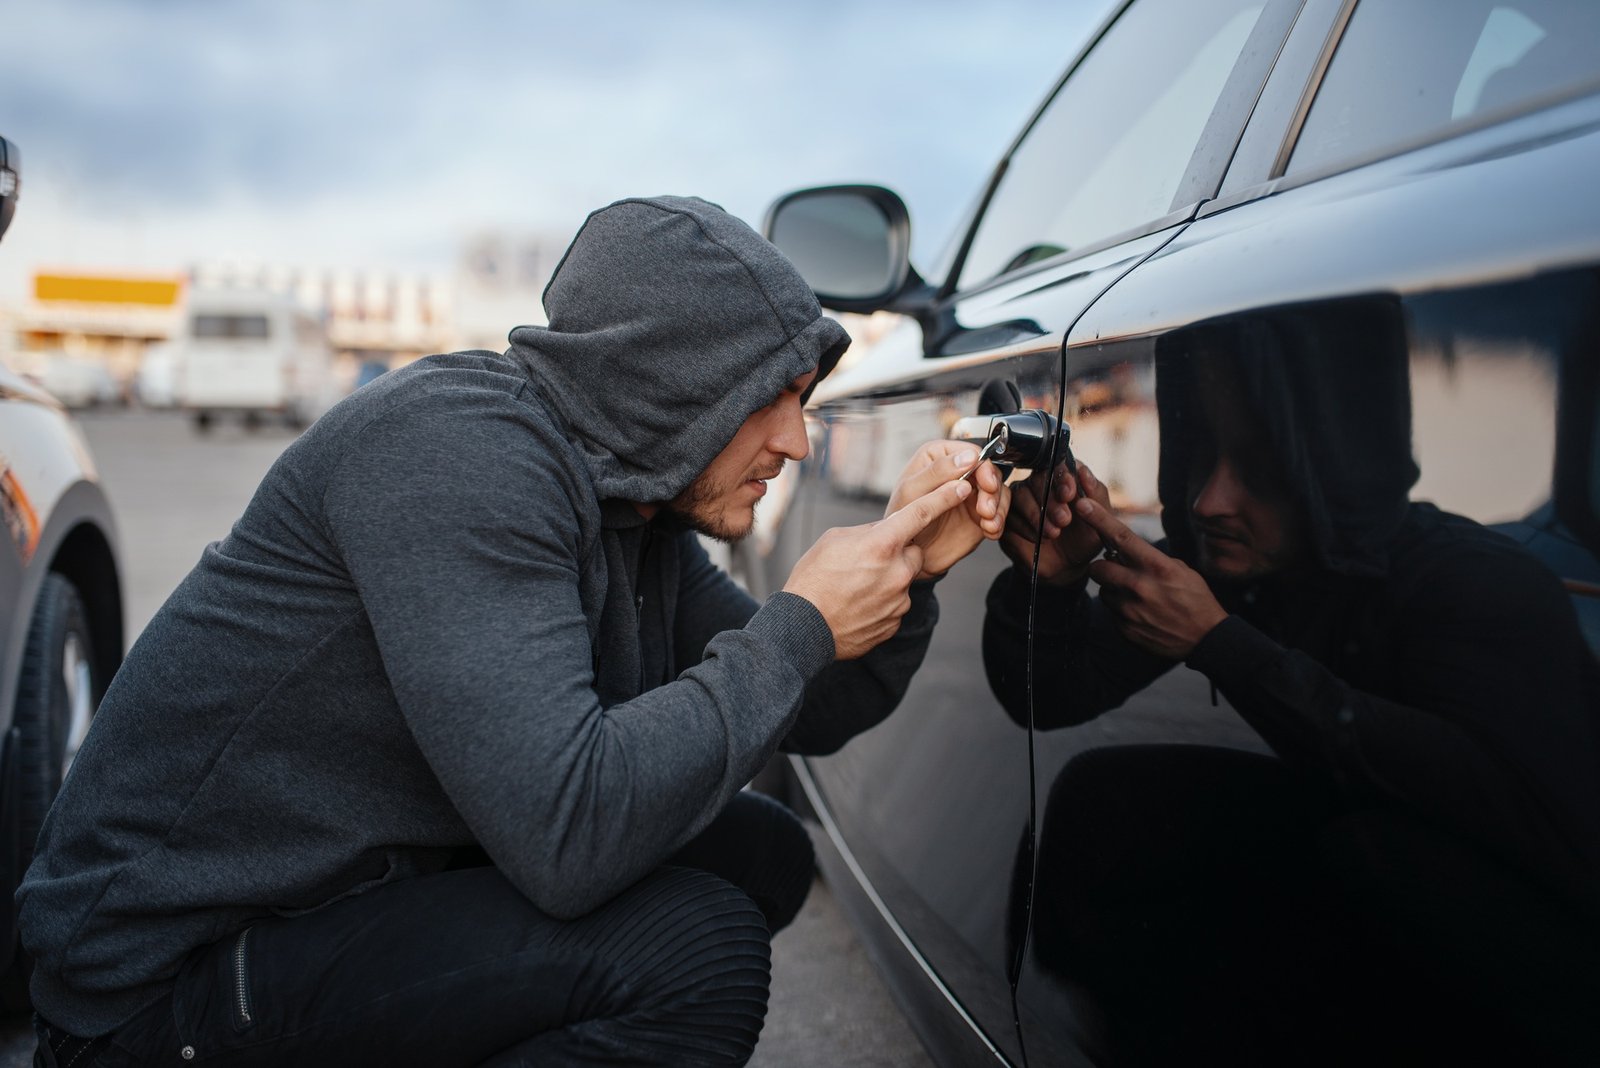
x,y
459,968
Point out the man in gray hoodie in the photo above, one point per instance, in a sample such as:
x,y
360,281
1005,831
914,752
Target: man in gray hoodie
x,y
466,618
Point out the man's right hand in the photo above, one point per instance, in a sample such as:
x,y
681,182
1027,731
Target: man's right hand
x,y
859,577
1068,547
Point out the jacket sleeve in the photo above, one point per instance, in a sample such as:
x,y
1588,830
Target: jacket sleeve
x,y
845,698
1489,730
1082,665
454,520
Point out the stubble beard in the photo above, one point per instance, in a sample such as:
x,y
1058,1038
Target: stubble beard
x,y
701,508
704,506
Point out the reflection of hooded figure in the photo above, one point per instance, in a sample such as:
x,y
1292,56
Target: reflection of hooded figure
x,y
1403,655
1396,658
1333,405
441,624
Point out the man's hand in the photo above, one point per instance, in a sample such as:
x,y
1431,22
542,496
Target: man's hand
x,y
1068,547
1161,604
955,533
858,577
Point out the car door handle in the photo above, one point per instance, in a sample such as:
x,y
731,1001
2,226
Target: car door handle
x,y
1026,437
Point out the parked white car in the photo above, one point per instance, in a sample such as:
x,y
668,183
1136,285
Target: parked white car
x,y
156,381
254,354
75,381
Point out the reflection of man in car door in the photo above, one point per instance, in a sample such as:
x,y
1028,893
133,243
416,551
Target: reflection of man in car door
x,y
1421,679
437,758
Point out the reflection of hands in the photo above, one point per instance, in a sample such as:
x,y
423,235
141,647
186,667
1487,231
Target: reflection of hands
x,y
1068,547
954,534
1160,604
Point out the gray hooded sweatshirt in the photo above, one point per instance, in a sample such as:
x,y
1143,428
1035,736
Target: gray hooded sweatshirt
x,y
439,624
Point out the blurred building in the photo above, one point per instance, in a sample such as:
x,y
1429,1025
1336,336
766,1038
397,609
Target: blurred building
x,y
500,280
84,336
369,315
88,336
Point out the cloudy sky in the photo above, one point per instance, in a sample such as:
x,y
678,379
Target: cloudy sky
x,y
367,134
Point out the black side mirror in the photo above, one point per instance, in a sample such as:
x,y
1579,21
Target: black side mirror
x,y
10,182
851,243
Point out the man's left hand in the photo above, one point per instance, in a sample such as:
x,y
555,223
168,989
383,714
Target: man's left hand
x,y
957,532
1161,604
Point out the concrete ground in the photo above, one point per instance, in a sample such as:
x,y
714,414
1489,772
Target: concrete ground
x,y
173,492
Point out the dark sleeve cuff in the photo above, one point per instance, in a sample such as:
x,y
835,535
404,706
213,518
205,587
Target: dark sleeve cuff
x,y
1009,595
1232,653
923,605
796,629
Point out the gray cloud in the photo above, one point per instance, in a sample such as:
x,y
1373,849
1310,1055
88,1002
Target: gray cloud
x,y
504,109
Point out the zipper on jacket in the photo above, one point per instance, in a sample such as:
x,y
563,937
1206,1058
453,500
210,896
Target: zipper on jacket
x,y
241,985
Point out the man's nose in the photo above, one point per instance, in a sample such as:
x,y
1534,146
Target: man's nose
x,y
1221,493
790,438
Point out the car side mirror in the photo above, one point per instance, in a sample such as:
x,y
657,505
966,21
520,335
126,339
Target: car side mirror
x,y
10,182
851,243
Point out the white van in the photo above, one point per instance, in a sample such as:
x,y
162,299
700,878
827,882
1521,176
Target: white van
x,y
252,353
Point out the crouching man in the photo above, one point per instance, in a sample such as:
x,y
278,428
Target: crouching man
x,y
436,758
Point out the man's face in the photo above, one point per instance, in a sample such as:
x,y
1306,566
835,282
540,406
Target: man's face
x,y
1241,506
721,501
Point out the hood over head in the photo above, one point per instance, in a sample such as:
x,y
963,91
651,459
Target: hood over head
x,y
1330,383
671,322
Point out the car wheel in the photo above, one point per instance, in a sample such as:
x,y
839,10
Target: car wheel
x,y
56,698
202,421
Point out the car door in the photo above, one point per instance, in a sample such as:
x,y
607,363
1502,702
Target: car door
x,y
1406,245
933,809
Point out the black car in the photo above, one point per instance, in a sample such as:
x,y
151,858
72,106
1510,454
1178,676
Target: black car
x,y
1355,247
60,610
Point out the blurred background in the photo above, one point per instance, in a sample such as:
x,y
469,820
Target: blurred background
x,y
407,174
233,212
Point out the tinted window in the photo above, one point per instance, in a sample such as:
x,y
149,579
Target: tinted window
x,y
1111,148
230,326
1407,69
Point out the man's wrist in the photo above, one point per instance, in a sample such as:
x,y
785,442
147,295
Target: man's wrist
x,y
798,630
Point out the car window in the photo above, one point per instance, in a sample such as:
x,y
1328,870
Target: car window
x,y
1407,69
1110,149
230,326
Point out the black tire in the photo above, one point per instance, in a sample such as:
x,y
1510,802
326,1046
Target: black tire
x,y
202,422
58,685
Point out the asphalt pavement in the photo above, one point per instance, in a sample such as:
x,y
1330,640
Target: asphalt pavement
x,y
174,491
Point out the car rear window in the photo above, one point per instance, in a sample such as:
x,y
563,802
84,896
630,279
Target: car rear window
x,y
1406,70
230,326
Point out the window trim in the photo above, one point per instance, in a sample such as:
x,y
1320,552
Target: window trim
x,y
1313,88
1202,175
1281,182
948,286
1437,135
1236,103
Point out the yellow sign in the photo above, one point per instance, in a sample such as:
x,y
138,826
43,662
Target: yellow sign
x,y
106,289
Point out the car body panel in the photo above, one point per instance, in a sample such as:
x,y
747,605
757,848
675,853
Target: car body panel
x,y
1499,315
55,518
47,466
1475,247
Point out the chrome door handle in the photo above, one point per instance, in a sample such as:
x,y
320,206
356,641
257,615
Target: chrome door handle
x,y
1026,437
